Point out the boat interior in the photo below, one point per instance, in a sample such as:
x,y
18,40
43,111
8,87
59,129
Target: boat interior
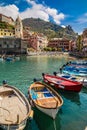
x,y
13,109
45,97
62,81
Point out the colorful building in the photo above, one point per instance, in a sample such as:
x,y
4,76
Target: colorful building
x,y
18,28
7,19
7,33
60,43
84,35
11,38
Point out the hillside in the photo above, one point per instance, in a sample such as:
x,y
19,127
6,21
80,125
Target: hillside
x,y
49,29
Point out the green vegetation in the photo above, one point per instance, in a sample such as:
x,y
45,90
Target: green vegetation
x,y
4,25
79,43
49,29
52,49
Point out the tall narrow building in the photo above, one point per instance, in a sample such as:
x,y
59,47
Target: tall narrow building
x,y
18,28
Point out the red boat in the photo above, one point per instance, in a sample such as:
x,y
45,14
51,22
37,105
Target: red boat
x,y
62,83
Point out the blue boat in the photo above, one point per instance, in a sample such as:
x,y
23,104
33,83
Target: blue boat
x,y
80,62
9,59
77,71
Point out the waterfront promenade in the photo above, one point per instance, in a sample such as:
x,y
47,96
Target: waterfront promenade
x,y
47,53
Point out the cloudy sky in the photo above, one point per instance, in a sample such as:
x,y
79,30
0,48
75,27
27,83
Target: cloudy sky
x,y
61,12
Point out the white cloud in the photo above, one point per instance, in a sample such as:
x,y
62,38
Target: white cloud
x,y
10,10
36,11
57,17
42,11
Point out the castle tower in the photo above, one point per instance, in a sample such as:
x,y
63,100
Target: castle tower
x,y
18,28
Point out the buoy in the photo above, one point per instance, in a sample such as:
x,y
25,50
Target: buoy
x,y
34,79
4,82
55,73
60,70
31,114
43,74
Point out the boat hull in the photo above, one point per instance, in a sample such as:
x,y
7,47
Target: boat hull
x,y
83,80
78,62
20,126
77,71
72,86
50,112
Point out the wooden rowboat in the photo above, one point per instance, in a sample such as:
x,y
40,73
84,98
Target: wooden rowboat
x,y
45,98
14,108
62,83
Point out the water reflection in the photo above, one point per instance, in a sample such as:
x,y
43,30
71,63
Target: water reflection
x,y
72,96
84,90
45,122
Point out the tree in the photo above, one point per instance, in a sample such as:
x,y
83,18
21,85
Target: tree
x,y
79,43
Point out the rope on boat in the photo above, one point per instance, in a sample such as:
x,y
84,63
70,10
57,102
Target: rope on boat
x,y
54,125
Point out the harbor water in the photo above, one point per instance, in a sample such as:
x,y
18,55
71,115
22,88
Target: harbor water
x,y
20,73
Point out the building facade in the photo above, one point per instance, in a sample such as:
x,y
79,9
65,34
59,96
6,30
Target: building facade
x,y
4,18
60,43
10,45
11,40
7,33
84,35
18,28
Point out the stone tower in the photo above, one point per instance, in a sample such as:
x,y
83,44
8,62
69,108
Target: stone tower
x,y
18,28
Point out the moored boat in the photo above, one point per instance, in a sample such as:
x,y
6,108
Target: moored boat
x,y
1,59
62,83
45,98
79,62
14,108
83,80
9,59
77,71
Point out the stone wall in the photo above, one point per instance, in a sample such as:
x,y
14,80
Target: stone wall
x,y
11,46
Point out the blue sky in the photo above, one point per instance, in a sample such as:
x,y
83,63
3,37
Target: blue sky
x,y
61,12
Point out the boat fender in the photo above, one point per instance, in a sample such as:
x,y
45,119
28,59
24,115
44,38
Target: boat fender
x,y
4,82
34,79
64,65
43,74
67,63
31,115
60,70
55,73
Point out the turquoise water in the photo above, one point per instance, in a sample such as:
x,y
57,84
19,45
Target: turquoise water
x,y
72,115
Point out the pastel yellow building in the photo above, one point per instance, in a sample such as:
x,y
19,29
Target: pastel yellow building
x,y
7,29
7,33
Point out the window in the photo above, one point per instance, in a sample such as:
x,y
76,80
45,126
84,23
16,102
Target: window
x,y
14,46
7,46
5,42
